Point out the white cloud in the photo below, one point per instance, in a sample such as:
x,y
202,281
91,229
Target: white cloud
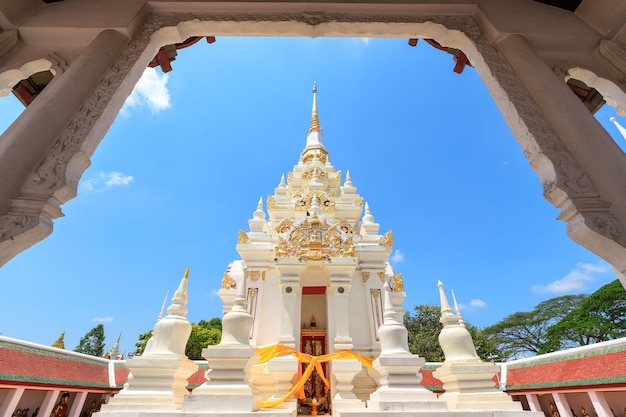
x,y
397,257
475,302
473,305
366,41
574,281
151,91
105,180
117,178
107,319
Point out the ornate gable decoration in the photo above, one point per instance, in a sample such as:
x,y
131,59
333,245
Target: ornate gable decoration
x,y
314,172
313,239
326,203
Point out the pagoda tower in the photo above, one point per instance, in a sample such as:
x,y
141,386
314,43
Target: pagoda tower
x,y
314,268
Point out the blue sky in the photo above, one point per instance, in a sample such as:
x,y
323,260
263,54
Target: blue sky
x,y
183,166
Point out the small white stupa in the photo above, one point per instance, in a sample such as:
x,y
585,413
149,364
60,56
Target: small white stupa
x,y
468,380
159,380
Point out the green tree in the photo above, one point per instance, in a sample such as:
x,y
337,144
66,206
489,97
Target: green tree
x,y
142,341
203,334
423,333
524,333
200,338
600,317
92,343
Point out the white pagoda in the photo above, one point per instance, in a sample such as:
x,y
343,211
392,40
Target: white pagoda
x,y
314,271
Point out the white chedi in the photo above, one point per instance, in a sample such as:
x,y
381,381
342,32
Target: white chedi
x,y
455,340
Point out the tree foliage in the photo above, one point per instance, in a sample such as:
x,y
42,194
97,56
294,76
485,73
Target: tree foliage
x,y
564,322
92,343
524,333
600,317
424,328
142,341
203,334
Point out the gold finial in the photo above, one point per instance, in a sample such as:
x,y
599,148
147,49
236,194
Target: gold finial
x,y
59,343
315,123
186,272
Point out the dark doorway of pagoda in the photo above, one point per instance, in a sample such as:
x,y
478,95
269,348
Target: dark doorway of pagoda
x,y
313,341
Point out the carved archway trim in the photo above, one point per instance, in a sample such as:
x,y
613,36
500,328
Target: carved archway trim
x,y
565,184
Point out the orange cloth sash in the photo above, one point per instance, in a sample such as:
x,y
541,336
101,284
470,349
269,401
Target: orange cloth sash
x,y
314,362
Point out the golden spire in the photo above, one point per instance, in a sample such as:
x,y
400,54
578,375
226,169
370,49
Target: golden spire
x,y
186,272
59,343
315,123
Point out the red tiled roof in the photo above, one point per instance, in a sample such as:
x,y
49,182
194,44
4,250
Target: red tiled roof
x,y
48,366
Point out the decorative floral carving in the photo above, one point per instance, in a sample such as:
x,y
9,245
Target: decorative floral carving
x,y
397,284
326,203
345,227
243,237
284,226
347,248
366,276
13,225
254,275
386,240
228,282
313,239
314,172
381,276
272,205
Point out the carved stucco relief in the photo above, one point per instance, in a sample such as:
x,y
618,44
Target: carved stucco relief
x,y
55,180
564,182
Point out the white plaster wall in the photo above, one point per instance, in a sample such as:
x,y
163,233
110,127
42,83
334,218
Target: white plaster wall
x,y
270,306
359,313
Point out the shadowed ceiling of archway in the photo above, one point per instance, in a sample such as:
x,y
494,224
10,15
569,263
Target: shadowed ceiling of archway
x,y
570,5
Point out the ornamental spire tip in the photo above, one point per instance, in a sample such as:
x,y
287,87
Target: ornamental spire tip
x,y
315,123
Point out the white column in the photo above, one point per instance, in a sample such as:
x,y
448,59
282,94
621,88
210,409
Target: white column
x,y
589,167
10,402
599,403
562,405
284,368
533,402
289,285
341,274
77,404
49,402
25,144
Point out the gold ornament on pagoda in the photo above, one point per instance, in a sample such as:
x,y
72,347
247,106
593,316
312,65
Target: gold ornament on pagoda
x,y
228,282
313,239
272,205
243,237
397,284
326,203
315,154
386,240
284,226
313,173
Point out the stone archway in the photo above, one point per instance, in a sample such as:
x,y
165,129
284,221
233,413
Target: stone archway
x,y
552,128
